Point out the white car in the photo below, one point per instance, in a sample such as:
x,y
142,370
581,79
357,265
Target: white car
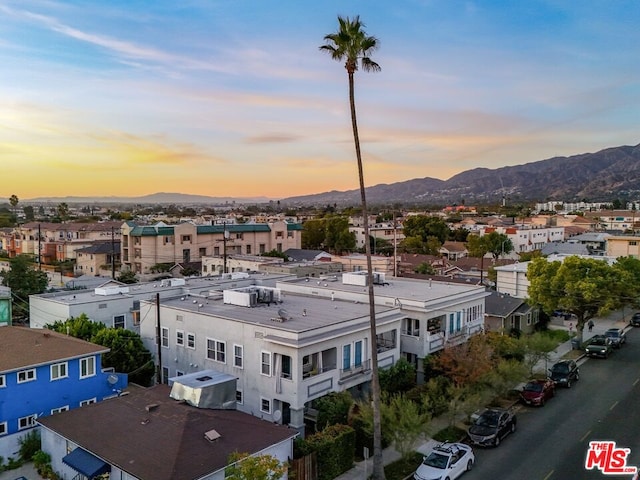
x,y
446,461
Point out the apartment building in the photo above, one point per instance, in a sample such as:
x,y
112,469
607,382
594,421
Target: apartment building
x,y
623,246
43,373
57,242
117,304
100,259
143,247
527,238
292,343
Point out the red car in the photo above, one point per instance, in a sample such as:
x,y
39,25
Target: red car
x,y
537,392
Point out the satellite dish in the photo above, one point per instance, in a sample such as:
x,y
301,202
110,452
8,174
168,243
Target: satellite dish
x,y
112,379
277,415
283,314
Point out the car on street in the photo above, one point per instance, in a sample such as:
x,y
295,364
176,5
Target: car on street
x,y
564,373
599,346
446,461
617,337
491,426
537,392
635,320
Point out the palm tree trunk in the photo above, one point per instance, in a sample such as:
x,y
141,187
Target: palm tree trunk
x,y
378,465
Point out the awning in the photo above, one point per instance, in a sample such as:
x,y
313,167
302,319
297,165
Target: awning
x,y
88,465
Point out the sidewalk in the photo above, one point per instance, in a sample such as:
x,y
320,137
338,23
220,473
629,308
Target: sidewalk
x,y
618,319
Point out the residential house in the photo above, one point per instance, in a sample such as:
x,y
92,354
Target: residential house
x,y
147,435
236,263
525,238
307,255
506,314
144,247
357,262
390,232
453,250
5,306
44,373
293,343
615,220
101,258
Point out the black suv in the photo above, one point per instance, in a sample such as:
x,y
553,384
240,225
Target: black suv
x,y
564,373
635,320
617,337
492,425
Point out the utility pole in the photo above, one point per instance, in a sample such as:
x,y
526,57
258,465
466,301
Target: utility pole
x,y
113,255
225,234
39,249
159,339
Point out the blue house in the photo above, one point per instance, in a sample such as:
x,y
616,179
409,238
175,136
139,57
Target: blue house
x,y
43,373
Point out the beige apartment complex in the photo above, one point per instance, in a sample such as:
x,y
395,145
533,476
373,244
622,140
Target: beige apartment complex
x,y
143,247
623,246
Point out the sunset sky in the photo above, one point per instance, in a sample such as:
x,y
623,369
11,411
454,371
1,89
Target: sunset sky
x,y
234,98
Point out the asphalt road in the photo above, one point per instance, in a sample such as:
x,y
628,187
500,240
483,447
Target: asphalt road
x,y
551,442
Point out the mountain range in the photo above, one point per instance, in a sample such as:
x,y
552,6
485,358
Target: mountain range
x,y
601,176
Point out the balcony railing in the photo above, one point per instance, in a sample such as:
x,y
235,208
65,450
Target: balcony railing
x,y
354,370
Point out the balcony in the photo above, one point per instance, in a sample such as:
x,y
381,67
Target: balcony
x,y
355,370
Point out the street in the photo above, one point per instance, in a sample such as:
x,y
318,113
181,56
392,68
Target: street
x,y
551,442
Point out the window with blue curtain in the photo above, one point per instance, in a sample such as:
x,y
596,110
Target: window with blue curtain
x,y
459,321
451,326
346,357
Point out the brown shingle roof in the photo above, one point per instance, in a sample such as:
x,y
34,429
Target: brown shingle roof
x,y
22,347
167,442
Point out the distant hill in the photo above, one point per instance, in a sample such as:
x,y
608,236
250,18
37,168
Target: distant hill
x,y
599,176
153,199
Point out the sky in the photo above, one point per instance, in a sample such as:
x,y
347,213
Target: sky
x,y
234,98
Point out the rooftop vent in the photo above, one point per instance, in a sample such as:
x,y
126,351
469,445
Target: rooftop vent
x,y
211,435
151,407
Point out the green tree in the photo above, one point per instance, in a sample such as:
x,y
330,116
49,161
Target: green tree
x,y
127,354
398,378
425,268
585,287
313,234
23,280
127,276
413,245
29,214
405,423
333,408
13,201
351,45
537,346
62,210
258,467
79,327
425,226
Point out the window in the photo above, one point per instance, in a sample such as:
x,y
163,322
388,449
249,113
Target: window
x,y
179,318
3,428
180,338
2,381
102,305
87,367
27,422
248,247
165,337
179,373
279,247
262,248
59,370
185,238
89,401
118,321
202,251
165,375
238,353
265,367
216,350
135,315
61,409
265,405
191,340
289,234
286,367
239,399
27,375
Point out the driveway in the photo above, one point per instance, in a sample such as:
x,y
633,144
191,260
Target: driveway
x,y
28,471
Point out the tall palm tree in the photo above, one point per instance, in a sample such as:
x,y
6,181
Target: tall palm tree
x,y
351,45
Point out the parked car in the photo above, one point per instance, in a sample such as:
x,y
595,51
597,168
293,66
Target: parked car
x,y
564,373
447,460
599,346
617,337
492,425
538,391
635,320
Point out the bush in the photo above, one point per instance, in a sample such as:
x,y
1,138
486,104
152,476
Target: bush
x,y
399,378
450,434
333,408
29,445
335,446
